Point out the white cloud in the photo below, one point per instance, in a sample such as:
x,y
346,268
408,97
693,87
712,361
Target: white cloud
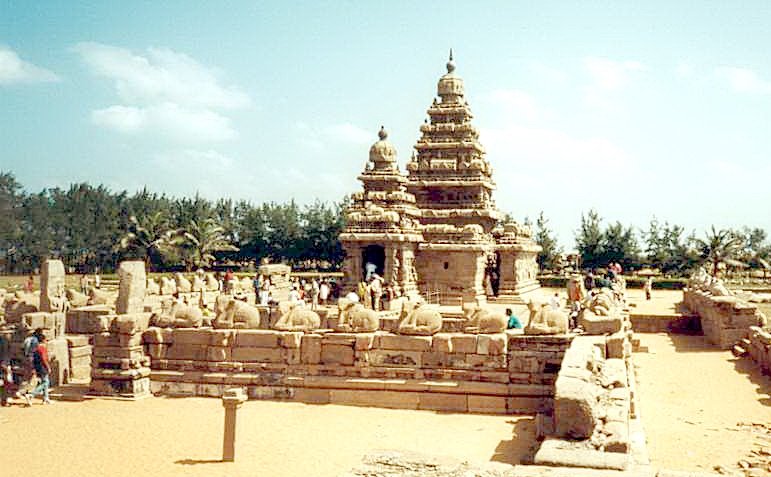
x,y
168,120
163,93
608,74
318,139
744,80
15,70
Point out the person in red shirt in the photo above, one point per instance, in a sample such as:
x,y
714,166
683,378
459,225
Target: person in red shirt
x,y
42,369
29,287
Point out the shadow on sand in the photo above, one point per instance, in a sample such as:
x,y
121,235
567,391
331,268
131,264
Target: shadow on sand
x,y
198,461
756,375
522,446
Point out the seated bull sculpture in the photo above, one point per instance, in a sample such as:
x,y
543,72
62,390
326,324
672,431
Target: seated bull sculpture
x,y
101,297
198,283
168,286
232,313
178,315
76,298
417,319
298,318
479,320
600,314
211,282
183,284
545,320
356,318
152,287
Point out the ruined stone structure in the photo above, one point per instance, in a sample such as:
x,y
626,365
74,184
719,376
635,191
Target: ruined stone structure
x,y
436,231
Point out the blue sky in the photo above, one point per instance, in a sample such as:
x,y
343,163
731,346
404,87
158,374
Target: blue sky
x,y
635,109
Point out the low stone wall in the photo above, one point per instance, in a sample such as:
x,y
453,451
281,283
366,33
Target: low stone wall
x,y
759,347
502,373
725,320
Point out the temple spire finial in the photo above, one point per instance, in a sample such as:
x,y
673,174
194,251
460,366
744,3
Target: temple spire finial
x,y
382,134
450,63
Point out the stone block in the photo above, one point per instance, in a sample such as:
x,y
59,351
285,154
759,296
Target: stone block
x,y
221,337
381,357
405,343
337,354
617,437
192,336
128,341
254,354
106,339
575,403
493,344
187,351
364,341
292,356
52,278
77,340
36,320
463,343
487,404
387,399
525,405
80,373
310,349
218,353
157,351
257,338
79,352
131,290
433,359
312,396
270,392
290,339
443,402
441,343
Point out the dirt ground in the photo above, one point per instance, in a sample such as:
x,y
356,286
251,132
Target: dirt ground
x,y
168,437
698,403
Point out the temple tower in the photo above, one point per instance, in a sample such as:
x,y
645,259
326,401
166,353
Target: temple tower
x,y
452,184
382,226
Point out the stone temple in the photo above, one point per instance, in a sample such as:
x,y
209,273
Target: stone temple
x,y
436,231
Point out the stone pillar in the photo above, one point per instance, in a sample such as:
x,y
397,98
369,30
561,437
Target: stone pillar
x,y
52,286
131,294
231,401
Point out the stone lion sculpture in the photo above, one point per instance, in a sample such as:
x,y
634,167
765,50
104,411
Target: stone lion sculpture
x,y
418,319
20,303
178,315
545,320
298,318
232,313
168,286
479,320
76,298
355,317
183,284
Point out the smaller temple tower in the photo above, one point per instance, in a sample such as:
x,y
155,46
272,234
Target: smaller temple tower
x,y
383,227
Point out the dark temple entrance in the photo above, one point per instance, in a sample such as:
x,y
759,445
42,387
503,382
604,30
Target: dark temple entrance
x,y
373,255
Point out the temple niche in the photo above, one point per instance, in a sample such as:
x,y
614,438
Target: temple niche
x,y
437,231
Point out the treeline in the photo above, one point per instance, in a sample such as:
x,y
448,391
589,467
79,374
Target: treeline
x,y
662,246
90,227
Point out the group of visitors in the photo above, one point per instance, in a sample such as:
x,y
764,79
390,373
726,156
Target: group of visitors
x,y
313,292
372,292
34,379
87,283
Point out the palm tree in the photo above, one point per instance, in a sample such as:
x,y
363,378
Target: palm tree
x,y
201,239
151,236
720,246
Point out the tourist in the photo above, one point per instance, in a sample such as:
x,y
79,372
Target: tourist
x,y
314,292
229,288
376,291
29,287
294,296
6,382
324,292
97,280
589,281
43,371
362,290
513,321
256,282
648,288
84,284
370,268
264,290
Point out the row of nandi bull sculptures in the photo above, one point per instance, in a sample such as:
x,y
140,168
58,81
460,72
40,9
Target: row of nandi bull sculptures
x,y
416,318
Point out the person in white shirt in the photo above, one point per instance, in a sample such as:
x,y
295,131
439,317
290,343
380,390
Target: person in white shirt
x,y
555,301
376,290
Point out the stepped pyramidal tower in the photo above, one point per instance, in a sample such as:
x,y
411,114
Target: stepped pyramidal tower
x,y
437,232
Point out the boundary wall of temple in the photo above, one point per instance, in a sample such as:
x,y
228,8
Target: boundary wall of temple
x,y
725,319
759,347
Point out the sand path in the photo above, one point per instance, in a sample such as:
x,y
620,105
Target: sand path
x,y
167,437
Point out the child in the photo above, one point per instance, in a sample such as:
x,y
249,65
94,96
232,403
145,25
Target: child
x,y
6,383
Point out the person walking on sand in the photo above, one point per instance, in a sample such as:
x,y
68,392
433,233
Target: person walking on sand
x,y
43,371
648,288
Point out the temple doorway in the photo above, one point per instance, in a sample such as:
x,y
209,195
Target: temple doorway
x,y
373,259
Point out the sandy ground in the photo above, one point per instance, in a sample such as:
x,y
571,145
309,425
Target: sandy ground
x,y
696,402
167,437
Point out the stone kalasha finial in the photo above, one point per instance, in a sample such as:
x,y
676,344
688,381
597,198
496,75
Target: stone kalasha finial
x,y
382,151
382,134
450,63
